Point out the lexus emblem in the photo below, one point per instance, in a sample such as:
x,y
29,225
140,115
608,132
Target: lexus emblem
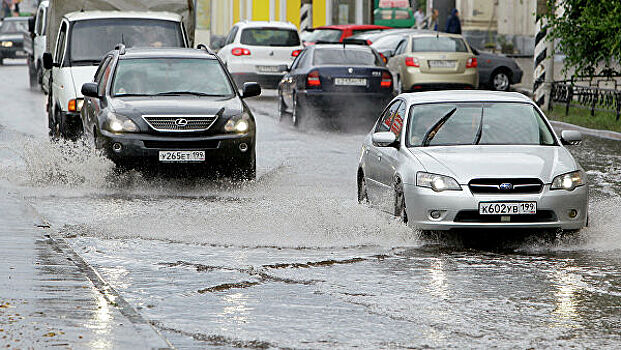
x,y
271,53
181,122
506,186
350,70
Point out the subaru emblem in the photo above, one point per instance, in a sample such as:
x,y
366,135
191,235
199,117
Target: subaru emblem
x,y
506,186
181,122
350,70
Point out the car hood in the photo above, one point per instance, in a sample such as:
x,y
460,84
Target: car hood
x,y
81,75
465,163
177,105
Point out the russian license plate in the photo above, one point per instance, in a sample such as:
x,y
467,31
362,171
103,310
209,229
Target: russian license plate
x,y
350,81
441,64
182,156
268,69
507,208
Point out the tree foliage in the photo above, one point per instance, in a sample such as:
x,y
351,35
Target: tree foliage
x,y
588,33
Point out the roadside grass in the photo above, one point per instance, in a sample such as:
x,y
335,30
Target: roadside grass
x,y
581,116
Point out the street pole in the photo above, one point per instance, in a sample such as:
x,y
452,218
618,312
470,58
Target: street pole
x,y
544,59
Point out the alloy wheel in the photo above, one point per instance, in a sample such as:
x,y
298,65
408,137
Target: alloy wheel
x,y
501,81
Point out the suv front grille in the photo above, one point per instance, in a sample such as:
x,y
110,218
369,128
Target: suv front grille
x,y
505,186
180,123
182,144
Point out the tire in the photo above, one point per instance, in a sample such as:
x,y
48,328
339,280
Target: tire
x,y
281,108
296,112
39,72
247,168
398,86
500,81
400,207
32,77
363,196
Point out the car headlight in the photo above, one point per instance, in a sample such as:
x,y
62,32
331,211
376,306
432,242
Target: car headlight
x,y
437,182
7,44
239,123
568,181
118,123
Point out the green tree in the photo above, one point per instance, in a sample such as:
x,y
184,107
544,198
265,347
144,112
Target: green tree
x,y
588,33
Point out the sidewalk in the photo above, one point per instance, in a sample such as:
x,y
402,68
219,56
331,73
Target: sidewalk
x,y
48,299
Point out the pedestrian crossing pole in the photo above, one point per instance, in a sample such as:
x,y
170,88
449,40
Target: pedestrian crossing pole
x,y
306,18
544,59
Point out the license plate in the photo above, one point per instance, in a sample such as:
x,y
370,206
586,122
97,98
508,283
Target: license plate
x,y
350,81
508,208
441,64
268,69
182,156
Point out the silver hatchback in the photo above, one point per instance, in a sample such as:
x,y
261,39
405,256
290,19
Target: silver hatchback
x,y
472,159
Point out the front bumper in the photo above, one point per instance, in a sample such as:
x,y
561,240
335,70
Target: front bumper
x,y
460,209
143,149
13,52
358,103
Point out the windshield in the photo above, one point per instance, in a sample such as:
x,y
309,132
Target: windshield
x,y
330,35
270,37
498,123
13,26
153,76
438,44
91,39
342,56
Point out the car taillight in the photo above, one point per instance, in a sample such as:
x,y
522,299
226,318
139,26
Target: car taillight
x,y
312,80
369,42
472,62
412,62
295,53
386,80
383,58
238,51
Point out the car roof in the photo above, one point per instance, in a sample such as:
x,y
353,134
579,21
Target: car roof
x,y
352,26
147,52
339,46
160,15
260,24
464,96
424,32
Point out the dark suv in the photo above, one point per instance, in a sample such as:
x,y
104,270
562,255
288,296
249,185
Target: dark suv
x,y
169,107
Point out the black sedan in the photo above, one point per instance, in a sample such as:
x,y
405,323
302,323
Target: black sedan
x,y
170,107
333,79
12,37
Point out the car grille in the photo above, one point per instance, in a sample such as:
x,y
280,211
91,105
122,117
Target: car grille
x,y
505,186
475,217
180,122
181,144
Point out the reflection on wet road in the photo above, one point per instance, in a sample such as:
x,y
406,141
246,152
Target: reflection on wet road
x,y
292,261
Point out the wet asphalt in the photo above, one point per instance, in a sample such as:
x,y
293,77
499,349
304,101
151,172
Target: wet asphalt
x,y
292,261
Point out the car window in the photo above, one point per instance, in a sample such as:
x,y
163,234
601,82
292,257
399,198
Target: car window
x,y
296,63
402,14
306,60
388,42
60,44
385,14
101,67
330,35
500,123
345,56
270,37
438,44
40,22
14,26
231,37
401,47
152,76
397,121
385,120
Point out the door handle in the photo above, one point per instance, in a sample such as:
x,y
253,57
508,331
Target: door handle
x,y
379,157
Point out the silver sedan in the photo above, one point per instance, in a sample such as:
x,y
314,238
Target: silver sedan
x,y
477,159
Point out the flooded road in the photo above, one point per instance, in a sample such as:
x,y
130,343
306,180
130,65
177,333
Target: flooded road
x,y
293,261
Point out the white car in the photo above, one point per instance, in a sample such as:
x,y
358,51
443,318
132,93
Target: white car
x,y
477,159
260,51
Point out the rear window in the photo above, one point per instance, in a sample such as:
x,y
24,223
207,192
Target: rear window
x,y
331,35
438,44
340,56
270,37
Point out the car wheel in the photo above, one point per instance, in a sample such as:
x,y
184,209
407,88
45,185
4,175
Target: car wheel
x,y
33,78
281,108
296,113
40,76
398,87
400,207
363,196
500,81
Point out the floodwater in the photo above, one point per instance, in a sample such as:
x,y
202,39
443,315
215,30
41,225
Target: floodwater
x,y
293,261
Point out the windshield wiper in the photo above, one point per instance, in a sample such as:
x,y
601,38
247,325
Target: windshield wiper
x,y
433,131
195,93
477,138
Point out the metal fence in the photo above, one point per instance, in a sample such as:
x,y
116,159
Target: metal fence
x,y
597,93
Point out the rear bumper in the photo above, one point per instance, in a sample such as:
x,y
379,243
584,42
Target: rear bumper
x,y
143,149
268,81
415,80
367,103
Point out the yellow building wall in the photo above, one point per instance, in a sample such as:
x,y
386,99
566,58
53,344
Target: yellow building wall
x,y
261,10
236,11
293,11
319,13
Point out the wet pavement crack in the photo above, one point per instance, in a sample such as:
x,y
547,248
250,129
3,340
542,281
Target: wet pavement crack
x,y
314,263
227,286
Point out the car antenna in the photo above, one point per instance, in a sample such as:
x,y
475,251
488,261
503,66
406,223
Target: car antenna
x,y
83,5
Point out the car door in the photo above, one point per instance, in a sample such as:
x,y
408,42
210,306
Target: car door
x,y
390,158
288,80
58,80
374,158
92,105
395,64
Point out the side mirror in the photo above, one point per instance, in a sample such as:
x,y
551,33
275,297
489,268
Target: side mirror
x,y
90,90
48,61
571,137
251,89
31,25
384,139
284,68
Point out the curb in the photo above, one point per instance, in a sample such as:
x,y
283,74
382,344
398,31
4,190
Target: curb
x,y
605,134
